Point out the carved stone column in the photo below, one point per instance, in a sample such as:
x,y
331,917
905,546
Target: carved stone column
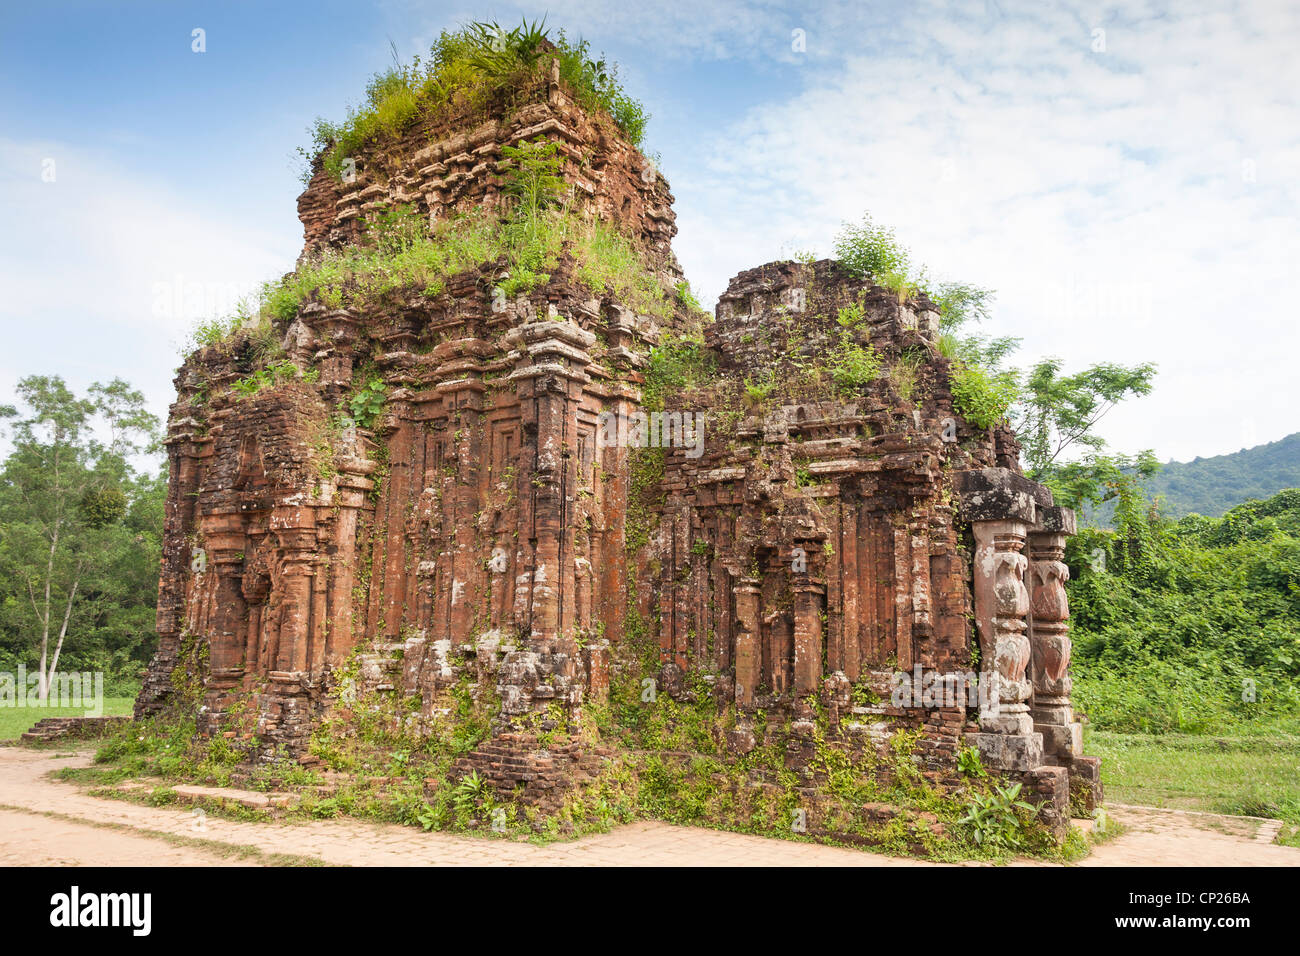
x,y
295,531
551,358
1001,604
1049,640
226,615
1002,506
352,485
228,621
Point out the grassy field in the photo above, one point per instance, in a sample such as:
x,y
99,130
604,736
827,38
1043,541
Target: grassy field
x,y
16,720
1254,776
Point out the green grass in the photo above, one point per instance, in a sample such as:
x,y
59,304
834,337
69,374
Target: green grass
x,y
402,256
14,721
1250,776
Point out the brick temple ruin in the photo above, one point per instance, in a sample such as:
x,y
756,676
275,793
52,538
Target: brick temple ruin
x,y
803,547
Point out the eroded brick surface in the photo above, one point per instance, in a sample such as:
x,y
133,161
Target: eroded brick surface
x,y
452,164
808,543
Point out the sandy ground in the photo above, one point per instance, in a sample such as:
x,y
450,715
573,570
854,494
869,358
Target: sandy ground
x,y
44,822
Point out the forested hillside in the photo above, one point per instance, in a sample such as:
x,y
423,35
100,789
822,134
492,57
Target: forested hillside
x,y
1210,486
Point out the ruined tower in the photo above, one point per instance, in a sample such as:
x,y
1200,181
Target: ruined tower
x,y
772,531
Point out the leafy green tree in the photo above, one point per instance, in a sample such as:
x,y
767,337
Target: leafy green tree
x,y
871,250
1094,478
79,527
1059,412
982,398
1053,414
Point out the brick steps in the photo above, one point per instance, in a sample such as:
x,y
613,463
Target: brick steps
x,y
59,728
252,799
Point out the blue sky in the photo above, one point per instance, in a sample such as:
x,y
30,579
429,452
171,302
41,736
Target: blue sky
x,y
1125,176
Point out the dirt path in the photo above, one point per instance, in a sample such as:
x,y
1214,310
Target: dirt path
x,y
1157,837
48,822
32,839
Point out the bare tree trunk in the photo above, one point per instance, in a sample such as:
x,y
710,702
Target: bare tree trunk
x,y
63,631
43,688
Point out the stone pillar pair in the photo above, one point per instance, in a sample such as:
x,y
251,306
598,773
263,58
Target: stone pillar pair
x,y
1020,615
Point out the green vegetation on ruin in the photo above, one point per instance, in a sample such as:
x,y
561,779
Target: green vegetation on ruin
x,y
677,364
401,256
467,71
1052,412
382,757
983,391
398,261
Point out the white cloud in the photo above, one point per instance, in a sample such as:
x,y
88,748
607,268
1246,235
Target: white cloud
x,y
1103,195
103,274
1107,197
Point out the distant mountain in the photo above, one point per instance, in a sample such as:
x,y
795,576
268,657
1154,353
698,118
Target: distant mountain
x,y
1210,486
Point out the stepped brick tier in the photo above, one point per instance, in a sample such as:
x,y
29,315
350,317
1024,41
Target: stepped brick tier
x,y
453,165
786,553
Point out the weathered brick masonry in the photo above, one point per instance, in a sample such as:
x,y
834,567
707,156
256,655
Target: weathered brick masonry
x,y
814,544
452,165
